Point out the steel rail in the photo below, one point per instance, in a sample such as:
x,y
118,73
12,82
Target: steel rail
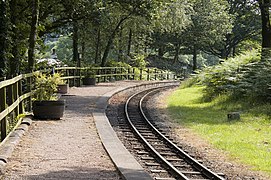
x,y
174,169
193,162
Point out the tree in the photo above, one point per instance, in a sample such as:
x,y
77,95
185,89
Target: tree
x,y
172,18
33,34
266,28
3,37
246,26
124,10
210,23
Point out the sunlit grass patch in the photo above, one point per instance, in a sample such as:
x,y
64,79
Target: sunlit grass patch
x,y
247,139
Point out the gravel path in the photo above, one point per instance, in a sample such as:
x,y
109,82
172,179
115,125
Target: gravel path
x,y
65,149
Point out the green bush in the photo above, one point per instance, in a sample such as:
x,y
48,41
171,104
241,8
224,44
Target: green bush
x,y
46,86
233,76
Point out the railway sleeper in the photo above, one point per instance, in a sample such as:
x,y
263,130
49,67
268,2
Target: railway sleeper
x,y
139,148
151,164
158,171
168,154
131,138
146,133
150,137
143,128
161,149
147,158
142,152
161,178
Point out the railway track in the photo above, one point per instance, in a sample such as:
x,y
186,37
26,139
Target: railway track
x,y
153,146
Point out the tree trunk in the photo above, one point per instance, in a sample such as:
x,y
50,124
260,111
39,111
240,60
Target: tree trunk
x,y
177,52
233,50
3,38
110,40
194,58
266,29
129,42
98,42
161,51
33,33
120,55
83,44
76,58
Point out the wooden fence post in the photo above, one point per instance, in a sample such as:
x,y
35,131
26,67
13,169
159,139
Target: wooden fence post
x,y
115,72
79,79
140,76
155,74
68,74
104,73
21,105
29,89
148,74
3,105
15,95
98,73
121,77
133,73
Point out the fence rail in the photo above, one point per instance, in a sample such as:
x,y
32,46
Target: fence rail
x,y
74,75
15,93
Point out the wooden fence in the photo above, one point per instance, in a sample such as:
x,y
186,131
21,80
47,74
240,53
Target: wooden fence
x,y
74,75
15,93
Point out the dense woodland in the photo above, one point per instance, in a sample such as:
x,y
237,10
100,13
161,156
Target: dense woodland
x,y
96,32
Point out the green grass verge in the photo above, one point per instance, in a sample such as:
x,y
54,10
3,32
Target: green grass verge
x,y
248,139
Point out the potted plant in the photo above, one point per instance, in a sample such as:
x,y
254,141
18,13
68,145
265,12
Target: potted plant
x,y
46,103
62,87
89,77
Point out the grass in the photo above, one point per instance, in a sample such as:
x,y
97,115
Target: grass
x,y
248,140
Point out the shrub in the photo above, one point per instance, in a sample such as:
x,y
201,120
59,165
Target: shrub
x,y
46,86
230,76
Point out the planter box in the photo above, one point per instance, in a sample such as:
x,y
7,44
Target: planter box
x,y
89,81
48,109
63,88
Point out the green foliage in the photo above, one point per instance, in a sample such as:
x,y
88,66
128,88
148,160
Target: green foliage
x,y
208,26
255,82
173,17
46,86
64,48
112,63
231,76
139,61
89,73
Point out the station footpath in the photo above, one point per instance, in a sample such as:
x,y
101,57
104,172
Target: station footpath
x,y
73,147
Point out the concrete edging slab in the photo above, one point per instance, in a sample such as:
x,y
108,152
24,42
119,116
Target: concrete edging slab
x,y
8,145
127,165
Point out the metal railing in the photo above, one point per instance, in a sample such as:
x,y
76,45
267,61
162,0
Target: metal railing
x,y
15,93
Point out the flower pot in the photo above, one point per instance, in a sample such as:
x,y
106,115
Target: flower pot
x,y
89,81
48,109
62,88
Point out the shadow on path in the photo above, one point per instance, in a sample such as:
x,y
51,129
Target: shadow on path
x,y
72,173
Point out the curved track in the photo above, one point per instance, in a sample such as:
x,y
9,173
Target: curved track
x,y
165,159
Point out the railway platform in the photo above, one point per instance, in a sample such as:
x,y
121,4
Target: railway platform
x,y
73,147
